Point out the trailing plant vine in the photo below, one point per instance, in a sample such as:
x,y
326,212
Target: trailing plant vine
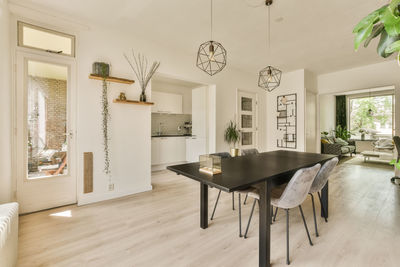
x,y
105,122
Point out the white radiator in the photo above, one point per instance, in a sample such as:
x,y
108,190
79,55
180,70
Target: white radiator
x,y
8,234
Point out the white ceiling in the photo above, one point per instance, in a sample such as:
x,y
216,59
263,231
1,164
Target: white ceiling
x,y
311,34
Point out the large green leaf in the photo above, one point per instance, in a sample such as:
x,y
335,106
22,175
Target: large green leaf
x,y
362,35
391,21
393,47
372,18
376,30
384,42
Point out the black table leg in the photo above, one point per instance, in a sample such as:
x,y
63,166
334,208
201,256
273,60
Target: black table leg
x,y
264,246
203,205
324,200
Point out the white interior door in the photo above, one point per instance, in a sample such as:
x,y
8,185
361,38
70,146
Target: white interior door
x,y
247,119
44,132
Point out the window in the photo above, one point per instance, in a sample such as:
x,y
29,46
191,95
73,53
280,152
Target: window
x,y
32,36
372,114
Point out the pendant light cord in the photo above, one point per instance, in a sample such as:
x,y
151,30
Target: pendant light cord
x,y
211,19
269,31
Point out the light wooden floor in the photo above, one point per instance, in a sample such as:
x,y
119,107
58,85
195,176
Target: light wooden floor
x,y
161,228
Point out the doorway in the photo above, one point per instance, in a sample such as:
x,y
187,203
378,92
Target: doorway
x,y
44,137
247,119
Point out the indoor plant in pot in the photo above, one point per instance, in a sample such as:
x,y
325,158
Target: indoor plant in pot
x,y
232,137
385,23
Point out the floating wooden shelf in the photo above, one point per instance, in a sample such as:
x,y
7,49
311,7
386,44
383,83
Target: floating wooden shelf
x,y
111,79
134,102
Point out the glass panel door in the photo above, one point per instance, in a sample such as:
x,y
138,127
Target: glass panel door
x,y
47,142
247,120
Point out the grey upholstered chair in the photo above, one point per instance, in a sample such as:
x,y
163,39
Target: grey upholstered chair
x,y
246,152
291,196
244,191
227,155
319,182
250,151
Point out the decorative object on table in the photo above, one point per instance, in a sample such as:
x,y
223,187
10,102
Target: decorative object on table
x,y
270,77
106,117
232,137
139,65
385,23
122,96
211,56
210,164
287,121
101,69
342,132
362,132
396,162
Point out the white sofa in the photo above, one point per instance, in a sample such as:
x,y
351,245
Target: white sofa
x,y
8,234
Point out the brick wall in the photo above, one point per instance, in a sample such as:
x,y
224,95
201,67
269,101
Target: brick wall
x,y
55,93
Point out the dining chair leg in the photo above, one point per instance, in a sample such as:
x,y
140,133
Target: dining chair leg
x,y
245,199
305,225
287,237
251,215
215,205
233,200
240,217
276,212
315,217
272,213
322,207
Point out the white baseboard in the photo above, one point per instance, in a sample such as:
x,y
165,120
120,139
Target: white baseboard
x,y
161,167
93,197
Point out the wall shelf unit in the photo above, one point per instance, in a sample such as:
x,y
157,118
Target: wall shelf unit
x,y
134,102
111,79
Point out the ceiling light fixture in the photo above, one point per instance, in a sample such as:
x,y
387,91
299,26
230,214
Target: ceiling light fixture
x,y
270,77
370,112
211,57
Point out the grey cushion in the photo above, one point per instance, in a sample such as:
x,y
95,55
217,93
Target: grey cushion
x,y
251,151
345,150
297,189
222,155
341,141
323,175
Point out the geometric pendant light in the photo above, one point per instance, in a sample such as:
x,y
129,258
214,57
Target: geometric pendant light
x,y
211,57
269,77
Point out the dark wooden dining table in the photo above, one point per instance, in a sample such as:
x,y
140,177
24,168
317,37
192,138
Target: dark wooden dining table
x,y
264,171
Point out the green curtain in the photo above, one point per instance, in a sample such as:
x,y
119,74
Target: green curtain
x,y
341,118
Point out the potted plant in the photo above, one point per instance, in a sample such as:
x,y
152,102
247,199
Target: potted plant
x,y
342,132
385,23
362,132
232,137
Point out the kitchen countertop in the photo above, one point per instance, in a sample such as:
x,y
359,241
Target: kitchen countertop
x,y
174,135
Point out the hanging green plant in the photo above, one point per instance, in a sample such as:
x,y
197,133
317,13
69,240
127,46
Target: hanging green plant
x,y
383,22
106,118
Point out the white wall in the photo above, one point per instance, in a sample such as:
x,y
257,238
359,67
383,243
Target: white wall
x,y
5,105
311,121
176,89
371,76
327,112
130,142
291,82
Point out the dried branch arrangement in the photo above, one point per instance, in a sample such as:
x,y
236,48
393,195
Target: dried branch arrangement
x,y
139,65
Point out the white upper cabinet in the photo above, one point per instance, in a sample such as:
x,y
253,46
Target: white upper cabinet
x,y
199,112
166,103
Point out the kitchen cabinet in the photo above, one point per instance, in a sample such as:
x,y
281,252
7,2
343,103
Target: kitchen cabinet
x,y
166,103
165,150
195,146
